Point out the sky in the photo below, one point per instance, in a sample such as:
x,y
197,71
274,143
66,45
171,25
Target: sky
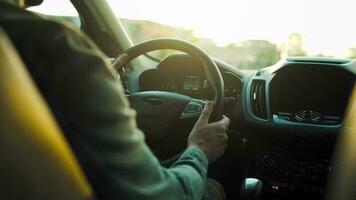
x,y
327,25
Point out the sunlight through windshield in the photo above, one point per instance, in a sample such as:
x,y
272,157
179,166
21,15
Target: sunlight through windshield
x,y
263,31
249,34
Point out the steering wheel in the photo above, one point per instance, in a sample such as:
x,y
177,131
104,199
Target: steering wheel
x,y
157,111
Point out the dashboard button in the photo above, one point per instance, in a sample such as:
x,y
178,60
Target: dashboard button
x,y
284,117
268,160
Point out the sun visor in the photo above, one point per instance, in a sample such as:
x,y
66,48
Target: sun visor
x,y
30,3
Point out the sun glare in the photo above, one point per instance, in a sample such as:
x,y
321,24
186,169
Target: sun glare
x,y
326,25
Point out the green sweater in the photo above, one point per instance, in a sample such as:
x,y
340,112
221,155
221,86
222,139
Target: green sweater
x,y
88,102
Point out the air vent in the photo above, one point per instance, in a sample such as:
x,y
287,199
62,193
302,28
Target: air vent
x,y
258,98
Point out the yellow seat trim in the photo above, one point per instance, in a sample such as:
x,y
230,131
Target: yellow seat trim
x,y
36,161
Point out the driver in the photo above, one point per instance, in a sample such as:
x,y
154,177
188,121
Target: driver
x,y
89,105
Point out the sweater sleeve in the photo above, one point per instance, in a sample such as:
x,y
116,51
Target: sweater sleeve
x,y
88,101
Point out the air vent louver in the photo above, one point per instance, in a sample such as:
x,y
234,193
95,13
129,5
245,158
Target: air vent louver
x,y
258,98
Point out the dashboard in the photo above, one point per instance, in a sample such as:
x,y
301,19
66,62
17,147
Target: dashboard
x,y
182,74
290,113
301,94
294,93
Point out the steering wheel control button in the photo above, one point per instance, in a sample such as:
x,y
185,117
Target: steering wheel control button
x,y
193,108
308,116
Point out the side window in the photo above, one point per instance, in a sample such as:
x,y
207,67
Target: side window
x,y
62,11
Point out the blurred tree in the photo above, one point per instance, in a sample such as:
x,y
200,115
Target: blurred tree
x,y
248,54
294,46
351,53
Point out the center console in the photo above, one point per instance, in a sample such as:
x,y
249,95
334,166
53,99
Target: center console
x,y
298,166
295,109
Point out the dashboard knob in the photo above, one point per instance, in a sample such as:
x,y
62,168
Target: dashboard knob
x,y
268,160
308,114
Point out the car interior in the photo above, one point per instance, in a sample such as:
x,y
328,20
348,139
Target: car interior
x,y
292,131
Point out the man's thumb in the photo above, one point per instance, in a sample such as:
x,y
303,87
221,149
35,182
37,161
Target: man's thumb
x,y
205,115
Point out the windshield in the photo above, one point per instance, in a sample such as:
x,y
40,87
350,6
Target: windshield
x,y
249,34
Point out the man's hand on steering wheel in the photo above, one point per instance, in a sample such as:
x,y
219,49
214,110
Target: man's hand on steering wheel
x,y
211,138
158,111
